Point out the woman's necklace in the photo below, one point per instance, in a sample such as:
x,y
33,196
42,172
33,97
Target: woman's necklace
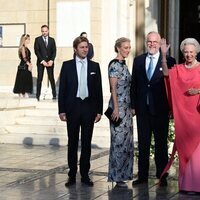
x,y
192,65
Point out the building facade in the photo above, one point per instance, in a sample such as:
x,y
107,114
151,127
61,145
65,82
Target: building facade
x,y
103,20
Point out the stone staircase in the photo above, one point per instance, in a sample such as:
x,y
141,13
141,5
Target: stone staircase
x,y
27,121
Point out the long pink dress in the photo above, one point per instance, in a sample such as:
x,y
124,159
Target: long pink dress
x,y
187,125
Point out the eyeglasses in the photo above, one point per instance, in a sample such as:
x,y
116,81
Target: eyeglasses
x,y
152,42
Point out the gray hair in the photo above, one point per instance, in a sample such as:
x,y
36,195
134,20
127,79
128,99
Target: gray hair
x,y
190,41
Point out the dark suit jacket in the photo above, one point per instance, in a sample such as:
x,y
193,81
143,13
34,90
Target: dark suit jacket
x,y
155,88
42,52
69,85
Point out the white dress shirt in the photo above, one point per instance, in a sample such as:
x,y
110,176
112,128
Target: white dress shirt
x,y
155,61
78,68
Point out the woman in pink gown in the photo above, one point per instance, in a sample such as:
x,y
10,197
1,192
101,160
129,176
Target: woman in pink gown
x,y
183,86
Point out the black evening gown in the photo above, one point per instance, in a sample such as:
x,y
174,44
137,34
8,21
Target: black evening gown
x,y
24,81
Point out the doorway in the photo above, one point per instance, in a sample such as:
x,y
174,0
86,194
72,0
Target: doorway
x,y
189,21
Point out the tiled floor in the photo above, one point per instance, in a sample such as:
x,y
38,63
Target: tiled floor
x,y
39,173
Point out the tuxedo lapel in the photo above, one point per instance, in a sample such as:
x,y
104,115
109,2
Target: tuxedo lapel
x,y
74,74
42,42
158,70
88,72
143,64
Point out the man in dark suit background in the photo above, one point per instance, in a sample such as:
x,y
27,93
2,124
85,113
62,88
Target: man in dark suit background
x,y
149,103
45,50
80,104
90,54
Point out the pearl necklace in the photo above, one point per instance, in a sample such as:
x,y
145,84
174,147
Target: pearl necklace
x,y
191,66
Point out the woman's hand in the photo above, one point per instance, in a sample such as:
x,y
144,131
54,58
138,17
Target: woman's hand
x,y
30,67
193,91
115,114
164,46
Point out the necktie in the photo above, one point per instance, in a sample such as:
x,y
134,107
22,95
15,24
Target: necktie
x,y
83,82
150,68
45,41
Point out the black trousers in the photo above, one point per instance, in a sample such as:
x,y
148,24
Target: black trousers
x,y
82,117
40,74
147,125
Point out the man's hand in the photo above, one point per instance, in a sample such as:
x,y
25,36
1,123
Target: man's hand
x,y
63,117
50,63
97,118
133,112
44,63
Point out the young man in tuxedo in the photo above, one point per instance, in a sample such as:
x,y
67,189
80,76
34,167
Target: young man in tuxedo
x,y
149,103
80,104
45,50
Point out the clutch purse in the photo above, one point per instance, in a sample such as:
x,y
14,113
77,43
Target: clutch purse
x,y
108,114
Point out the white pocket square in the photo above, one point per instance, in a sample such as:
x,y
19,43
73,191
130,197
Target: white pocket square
x,y
91,73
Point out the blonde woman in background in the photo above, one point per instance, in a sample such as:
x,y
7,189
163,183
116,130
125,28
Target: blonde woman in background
x,y
23,82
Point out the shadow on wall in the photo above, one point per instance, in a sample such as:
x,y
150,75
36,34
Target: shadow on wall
x,y
34,87
35,84
52,141
28,141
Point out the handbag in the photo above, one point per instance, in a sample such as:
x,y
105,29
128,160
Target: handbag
x,y
22,66
108,114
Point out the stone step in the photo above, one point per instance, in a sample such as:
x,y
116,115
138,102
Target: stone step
x,y
33,139
50,112
39,120
49,130
9,101
43,119
43,135
27,121
57,140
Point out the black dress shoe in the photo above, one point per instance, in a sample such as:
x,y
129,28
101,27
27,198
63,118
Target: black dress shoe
x,y
139,181
54,98
71,181
163,182
87,181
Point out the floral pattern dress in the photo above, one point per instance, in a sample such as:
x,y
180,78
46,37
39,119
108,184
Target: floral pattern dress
x,y
121,147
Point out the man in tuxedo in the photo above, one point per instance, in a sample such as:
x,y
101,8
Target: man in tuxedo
x,y
45,50
80,104
90,54
149,103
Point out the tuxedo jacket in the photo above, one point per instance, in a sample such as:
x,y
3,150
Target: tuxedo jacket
x,y
42,52
69,85
155,88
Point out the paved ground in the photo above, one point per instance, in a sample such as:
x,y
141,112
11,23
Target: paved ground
x,y
32,172
39,173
